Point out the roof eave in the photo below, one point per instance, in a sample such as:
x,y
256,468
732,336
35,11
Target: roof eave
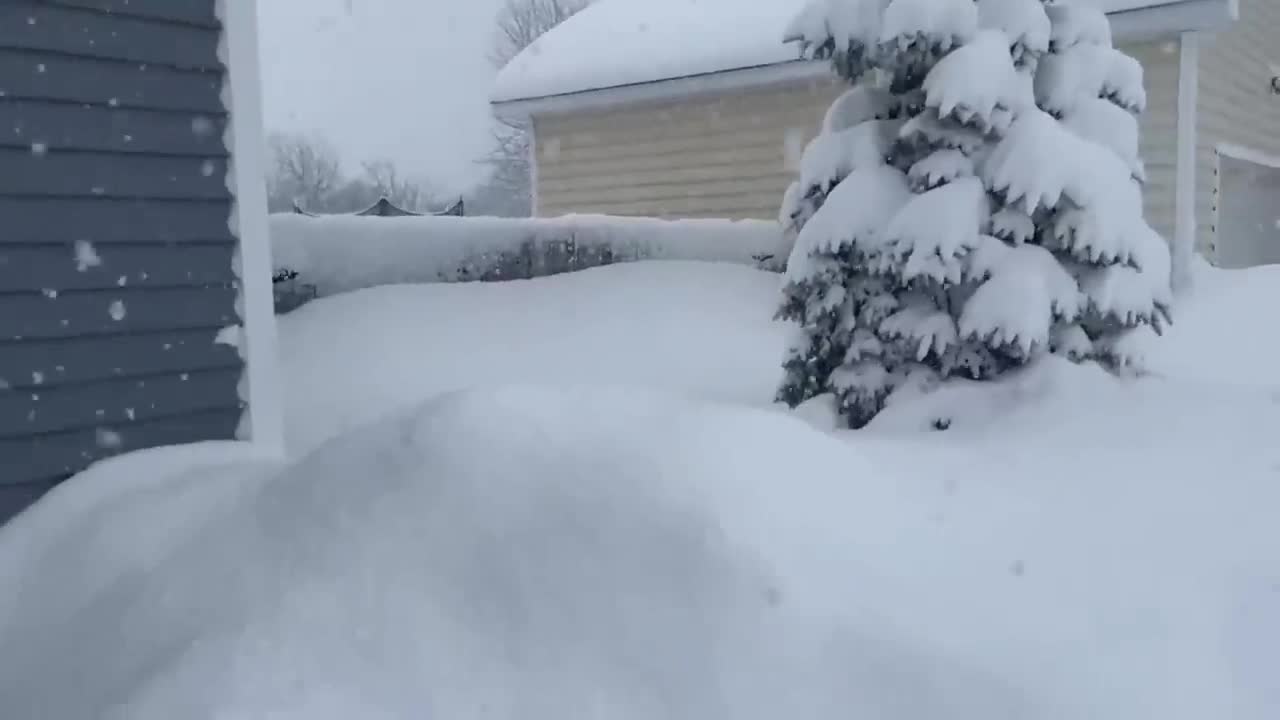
x,y
1172,19
1137,25
658,90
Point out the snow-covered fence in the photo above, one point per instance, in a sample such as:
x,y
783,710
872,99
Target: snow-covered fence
x,y
341,253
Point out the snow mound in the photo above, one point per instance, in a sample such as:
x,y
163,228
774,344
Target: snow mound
x,y
697,328
1223,331
1072,547
572,553
565,562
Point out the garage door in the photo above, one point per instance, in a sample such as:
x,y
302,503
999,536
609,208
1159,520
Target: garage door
x,y
1248,213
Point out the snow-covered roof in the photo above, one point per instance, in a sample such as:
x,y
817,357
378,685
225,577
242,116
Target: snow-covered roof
x,y
617,43
625,42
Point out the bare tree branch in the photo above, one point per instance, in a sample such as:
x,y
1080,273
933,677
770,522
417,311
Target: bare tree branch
x,y
384,178
304,169
519,23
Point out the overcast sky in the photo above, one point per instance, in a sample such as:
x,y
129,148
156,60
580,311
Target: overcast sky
x,y
401,79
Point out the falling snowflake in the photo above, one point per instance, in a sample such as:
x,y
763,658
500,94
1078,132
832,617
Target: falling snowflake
x,y
116,310
86,256
37,377
39,149
202,126
50,293
109,439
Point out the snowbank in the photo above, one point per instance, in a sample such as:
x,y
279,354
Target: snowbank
x,y
1074,547
342,253
1225,330
702,329
569,553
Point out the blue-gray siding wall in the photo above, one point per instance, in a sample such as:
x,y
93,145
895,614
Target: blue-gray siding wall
x,y
116,257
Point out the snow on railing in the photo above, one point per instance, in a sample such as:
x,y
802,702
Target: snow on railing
x,y
336,254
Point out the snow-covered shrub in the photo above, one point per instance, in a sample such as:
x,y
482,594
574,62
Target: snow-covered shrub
x,y
343,253
973,202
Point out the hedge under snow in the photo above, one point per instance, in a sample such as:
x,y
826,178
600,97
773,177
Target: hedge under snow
x,y
342,253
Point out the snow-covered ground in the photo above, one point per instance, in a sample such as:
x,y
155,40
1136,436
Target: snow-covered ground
x,y
697,329
572,499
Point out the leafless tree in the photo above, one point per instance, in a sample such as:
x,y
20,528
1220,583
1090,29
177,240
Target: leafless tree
x,y
386,181
304,169
519,23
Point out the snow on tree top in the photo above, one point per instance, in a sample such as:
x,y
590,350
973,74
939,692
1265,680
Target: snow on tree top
x,y
1024,23
906,20
1074,24
615,43
977,84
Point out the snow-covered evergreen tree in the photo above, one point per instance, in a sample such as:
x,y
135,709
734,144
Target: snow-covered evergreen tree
x,y
971,204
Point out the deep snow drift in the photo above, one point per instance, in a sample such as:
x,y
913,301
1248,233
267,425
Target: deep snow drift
x,y
442,564
701,329
1074,547
594,553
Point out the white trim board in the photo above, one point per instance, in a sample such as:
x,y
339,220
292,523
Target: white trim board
x,y
1185,225
1248,154
1172,19
246,178
672,89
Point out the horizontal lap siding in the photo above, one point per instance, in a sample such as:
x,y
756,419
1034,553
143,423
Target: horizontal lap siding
x,y
728,156
117,260
710,157
1236,103
1159,128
